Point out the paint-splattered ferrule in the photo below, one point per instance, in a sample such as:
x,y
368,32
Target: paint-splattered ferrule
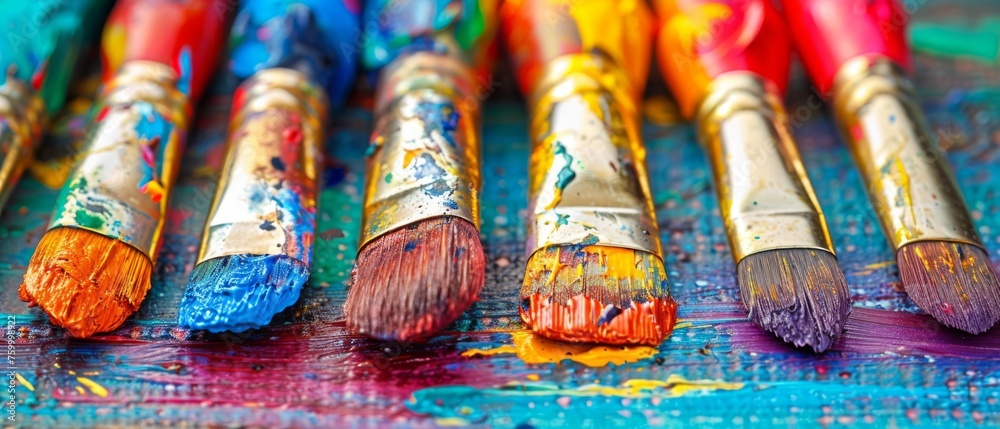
x,y
266,200
22,118
423,160
588,180
121,185
909,181
765,197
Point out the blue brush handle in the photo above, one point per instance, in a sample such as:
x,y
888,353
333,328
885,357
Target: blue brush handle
x,y
316,37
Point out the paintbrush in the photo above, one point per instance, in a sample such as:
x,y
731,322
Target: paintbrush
x,y
92,268
257,245
37,59
856,54
727,63
420,263
595,269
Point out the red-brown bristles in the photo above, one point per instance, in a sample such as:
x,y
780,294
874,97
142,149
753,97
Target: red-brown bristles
x,y
86,282
597,294
953,282
412,282
798,294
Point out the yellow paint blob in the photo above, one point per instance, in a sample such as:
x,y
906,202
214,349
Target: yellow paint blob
x,y
661,110
620,262
878,265
674,386
97,389
451,421
52,174
535,349
683,324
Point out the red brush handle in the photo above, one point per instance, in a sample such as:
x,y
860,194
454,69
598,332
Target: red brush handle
x,y
187,35
828,33
702,39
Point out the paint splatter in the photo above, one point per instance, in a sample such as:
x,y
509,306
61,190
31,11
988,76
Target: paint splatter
x,y
534,349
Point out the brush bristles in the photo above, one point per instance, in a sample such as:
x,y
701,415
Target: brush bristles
x,y
412,282
86,282
597,294
239,292
798,294
953,282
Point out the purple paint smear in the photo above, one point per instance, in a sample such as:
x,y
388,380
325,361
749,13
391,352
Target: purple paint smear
x,y
870,331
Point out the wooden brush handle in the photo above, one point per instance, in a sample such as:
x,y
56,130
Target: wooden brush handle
x,y
186,35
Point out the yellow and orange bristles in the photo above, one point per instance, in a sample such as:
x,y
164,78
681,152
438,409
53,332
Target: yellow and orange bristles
x,y
595,272
597,293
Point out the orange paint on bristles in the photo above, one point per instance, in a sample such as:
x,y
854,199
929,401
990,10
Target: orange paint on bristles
x,y
86,282
597,294
648,323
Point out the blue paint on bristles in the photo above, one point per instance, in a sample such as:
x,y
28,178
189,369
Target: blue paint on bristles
x,y
245,291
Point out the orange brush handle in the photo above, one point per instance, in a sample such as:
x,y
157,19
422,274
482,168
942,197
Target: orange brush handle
x,y
187,35
702,39
537,32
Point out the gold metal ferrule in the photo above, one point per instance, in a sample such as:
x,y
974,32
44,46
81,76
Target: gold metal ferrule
x,y
588,180
121,186
765,196
266,200
22,119
909,181
424,155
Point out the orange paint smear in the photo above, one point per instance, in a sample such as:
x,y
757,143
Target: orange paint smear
x,y
86,282
576,320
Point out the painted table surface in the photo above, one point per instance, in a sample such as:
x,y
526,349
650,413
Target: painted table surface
x,y
894,366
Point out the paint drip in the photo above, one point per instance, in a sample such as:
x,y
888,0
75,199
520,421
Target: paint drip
x,y
536,349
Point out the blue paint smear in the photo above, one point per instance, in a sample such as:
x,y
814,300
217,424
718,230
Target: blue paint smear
x,y
240,292
184,65
440,117
152,127
426,167
315,37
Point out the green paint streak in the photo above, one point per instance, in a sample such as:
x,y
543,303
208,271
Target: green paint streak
x,y
388,178
955,41
87,219
566,175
